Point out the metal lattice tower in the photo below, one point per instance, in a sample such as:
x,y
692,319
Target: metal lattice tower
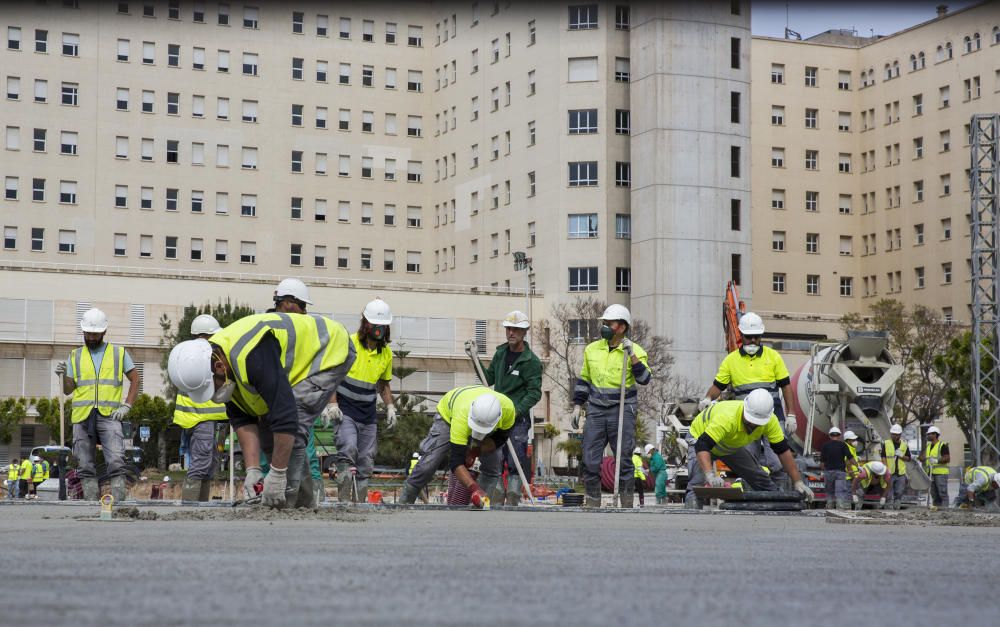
x,y
985,288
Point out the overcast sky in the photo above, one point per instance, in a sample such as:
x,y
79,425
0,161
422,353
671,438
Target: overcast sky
x,y
810,18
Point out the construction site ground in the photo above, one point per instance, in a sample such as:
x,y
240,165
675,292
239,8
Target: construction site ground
x,y
171,564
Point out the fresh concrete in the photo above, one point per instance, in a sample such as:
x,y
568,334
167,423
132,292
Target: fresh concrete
x,y
499,568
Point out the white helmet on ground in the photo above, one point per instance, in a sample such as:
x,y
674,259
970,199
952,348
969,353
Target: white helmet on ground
x,y
751,324
204,324
294,288
378,312
834,431
617,312
649,447
516,319
896,429
850,435
484,415
933,430
190,369
757,407
878,468
94,321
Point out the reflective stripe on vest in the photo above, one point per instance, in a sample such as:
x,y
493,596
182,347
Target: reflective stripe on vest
x,y
188,413
45,470
896,465
37,473
871,475
637,465
601,376
934,450
985,472
101,390
12,472
854,457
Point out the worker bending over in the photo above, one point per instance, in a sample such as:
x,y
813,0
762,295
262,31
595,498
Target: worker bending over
x,y
895,454
979,487
723,431
869,474
275,372
471,422
833,462
935,458
599,387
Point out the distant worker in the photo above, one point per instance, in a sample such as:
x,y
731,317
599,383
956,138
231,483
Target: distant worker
x,y
853,462
935,458
895,454
37,475
472,422
352,408
658,468
94,375
639,476
13,470
833,458
723,431
199,422
599,388
979,487
275,372
24,477
870,473
413,462
516,372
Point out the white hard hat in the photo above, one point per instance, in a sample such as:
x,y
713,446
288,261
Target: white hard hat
x,y
757,407
204,325
878,468
484,415
94,321
933,430
834,431
617,312
36,458
378,312
294,288
416,455
850,435
649,447
895,429
516,319
751,324
190,369
166,478
637,451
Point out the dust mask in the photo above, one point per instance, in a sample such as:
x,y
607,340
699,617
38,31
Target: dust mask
x,y
606,332
225,392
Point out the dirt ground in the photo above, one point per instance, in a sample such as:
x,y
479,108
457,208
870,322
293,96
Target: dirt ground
x,y
925,517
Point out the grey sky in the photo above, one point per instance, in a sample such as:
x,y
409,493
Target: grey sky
x,y
809,18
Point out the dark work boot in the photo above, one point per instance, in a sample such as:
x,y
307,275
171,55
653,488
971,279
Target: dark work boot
x,y
191,490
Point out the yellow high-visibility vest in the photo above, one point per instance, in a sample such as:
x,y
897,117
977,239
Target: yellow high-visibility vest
x,y
934,450
101,390
637,465
896,464
188,413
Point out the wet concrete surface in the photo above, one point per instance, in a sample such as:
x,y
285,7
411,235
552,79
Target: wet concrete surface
x,y
441,567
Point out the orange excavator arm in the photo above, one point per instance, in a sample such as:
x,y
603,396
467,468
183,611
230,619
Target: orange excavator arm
x,y
732,309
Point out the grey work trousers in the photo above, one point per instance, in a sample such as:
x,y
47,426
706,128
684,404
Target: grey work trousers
x,y
837,491
356,446
109,434
435,450
989,498
896,489
201,444
743,464
939,490
600,430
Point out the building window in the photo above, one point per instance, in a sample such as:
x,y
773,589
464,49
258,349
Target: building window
x,y
812,243
343,257
366,258
38,190
734,107
846,245
623,279
945,272
415,36
582,121
248,205
736,268
583,17
812,159
582,69
249,64
298,23
296,208
41,40
812,201
221,250
622,69
778,73
778,282
844,163
777,199
812,284
367,75
623,174
319,256
844,204
172,150
810,76
37,239
250,17
70,94
734,161
170,247
197,201
146,246
777,157
414,80
621,17
71,45
583,279
10,188
295,255
778,241
296,161
623,121
120,243
298,68
248,252
582,225
812,116
390,33
583,174
734,53
13,38
38,141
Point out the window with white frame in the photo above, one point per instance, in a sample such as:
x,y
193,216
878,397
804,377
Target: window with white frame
x,y
777,199
582,226
221,250
222,61
319,210
67,192
622,73
778,73
582,121
320,161
623,226
414,171
120,244
777,157
414,80
71,44
248,252
344,165
583,16
623,174
13,88
222,203
197,106
250,67
198,58
583,279
248,205
778,282
582,173
68,142
296,161
10,188
41,90
145,246
343,257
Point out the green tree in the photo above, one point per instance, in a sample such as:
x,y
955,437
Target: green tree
x,y
955,365
550,432
397,445
158,415
48,415
13,411
573,448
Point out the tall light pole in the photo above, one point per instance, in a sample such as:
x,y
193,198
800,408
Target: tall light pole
x,y
523,262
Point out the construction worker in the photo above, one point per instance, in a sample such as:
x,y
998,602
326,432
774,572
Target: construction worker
x,y
895,454
638,475
723,431
275,372
12,484
516,372
659,469
352,408
291,296
37,475
199,422
853,462
979,486
471,422
24,477
868,474
935,458
413,462
96,385
833,462
600,387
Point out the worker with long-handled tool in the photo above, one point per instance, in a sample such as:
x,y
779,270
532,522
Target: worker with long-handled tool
x,y
275,372
472,422
199,420
935,458
612,367
94,375
352,408
895,454
723,431
516,372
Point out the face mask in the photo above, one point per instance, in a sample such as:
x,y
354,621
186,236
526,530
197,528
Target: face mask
x,y
224,393
93,345
750,349
378,331
606,332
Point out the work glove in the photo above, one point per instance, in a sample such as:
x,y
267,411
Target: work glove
x,y
856,499
390,416
471,454
881,503
713,480
122,411
331,415
254,476
627,346
471,347
274,488
61,369
791,424
899,453
704,403
479,499
931,461
803,489
576,417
